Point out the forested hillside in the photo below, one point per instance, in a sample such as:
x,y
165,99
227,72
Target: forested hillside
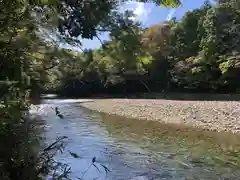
x,y
198,53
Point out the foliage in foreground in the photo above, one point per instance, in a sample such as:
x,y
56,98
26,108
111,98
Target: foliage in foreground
x,y
48,167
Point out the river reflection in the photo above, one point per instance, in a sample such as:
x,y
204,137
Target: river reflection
x,y
135,149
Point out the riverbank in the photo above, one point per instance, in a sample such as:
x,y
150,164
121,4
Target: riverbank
x,y
210,115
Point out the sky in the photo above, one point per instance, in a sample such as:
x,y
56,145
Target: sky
x,y
149,14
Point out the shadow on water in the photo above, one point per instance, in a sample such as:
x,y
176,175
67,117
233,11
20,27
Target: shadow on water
x,y
135,149
194,152
164,95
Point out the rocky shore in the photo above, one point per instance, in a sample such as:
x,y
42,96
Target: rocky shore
x,y
210,115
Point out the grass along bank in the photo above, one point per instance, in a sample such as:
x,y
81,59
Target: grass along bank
x,y
210,115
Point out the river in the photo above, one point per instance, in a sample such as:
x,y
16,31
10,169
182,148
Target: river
x,y
135,149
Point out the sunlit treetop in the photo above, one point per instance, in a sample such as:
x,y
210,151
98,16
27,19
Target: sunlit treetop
x,y
84,19
164,3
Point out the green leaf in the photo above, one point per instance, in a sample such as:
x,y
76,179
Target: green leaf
x,y
224,67
74,155
93,159
105,168
96,167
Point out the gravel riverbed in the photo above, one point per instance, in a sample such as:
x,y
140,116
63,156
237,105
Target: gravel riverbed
x,y
210,115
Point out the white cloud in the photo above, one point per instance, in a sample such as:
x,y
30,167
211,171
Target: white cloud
x,y
141,12
139,9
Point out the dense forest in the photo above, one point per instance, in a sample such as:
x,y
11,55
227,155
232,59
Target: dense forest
x,y
198,53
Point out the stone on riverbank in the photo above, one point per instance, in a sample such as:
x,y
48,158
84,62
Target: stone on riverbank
x,y
211,115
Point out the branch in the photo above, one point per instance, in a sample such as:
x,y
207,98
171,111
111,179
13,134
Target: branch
x,y
102,30
100,40
48,68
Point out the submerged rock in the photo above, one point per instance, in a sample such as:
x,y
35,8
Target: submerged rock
x,y
141,178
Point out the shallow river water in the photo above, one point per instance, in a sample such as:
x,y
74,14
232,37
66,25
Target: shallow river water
x,y
134,149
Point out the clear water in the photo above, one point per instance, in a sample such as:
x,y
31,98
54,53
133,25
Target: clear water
x,y
141,150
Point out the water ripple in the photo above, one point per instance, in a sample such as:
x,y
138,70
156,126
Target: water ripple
x,y
131,149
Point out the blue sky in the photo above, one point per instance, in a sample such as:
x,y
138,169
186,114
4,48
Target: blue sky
x,y
149,14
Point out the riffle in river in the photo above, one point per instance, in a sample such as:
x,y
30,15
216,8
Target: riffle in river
x,y
137,149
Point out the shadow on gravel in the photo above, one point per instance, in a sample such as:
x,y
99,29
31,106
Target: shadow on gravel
x,y
175,96
165,96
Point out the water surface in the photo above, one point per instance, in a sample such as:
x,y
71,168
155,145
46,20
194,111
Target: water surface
x,y
135,149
